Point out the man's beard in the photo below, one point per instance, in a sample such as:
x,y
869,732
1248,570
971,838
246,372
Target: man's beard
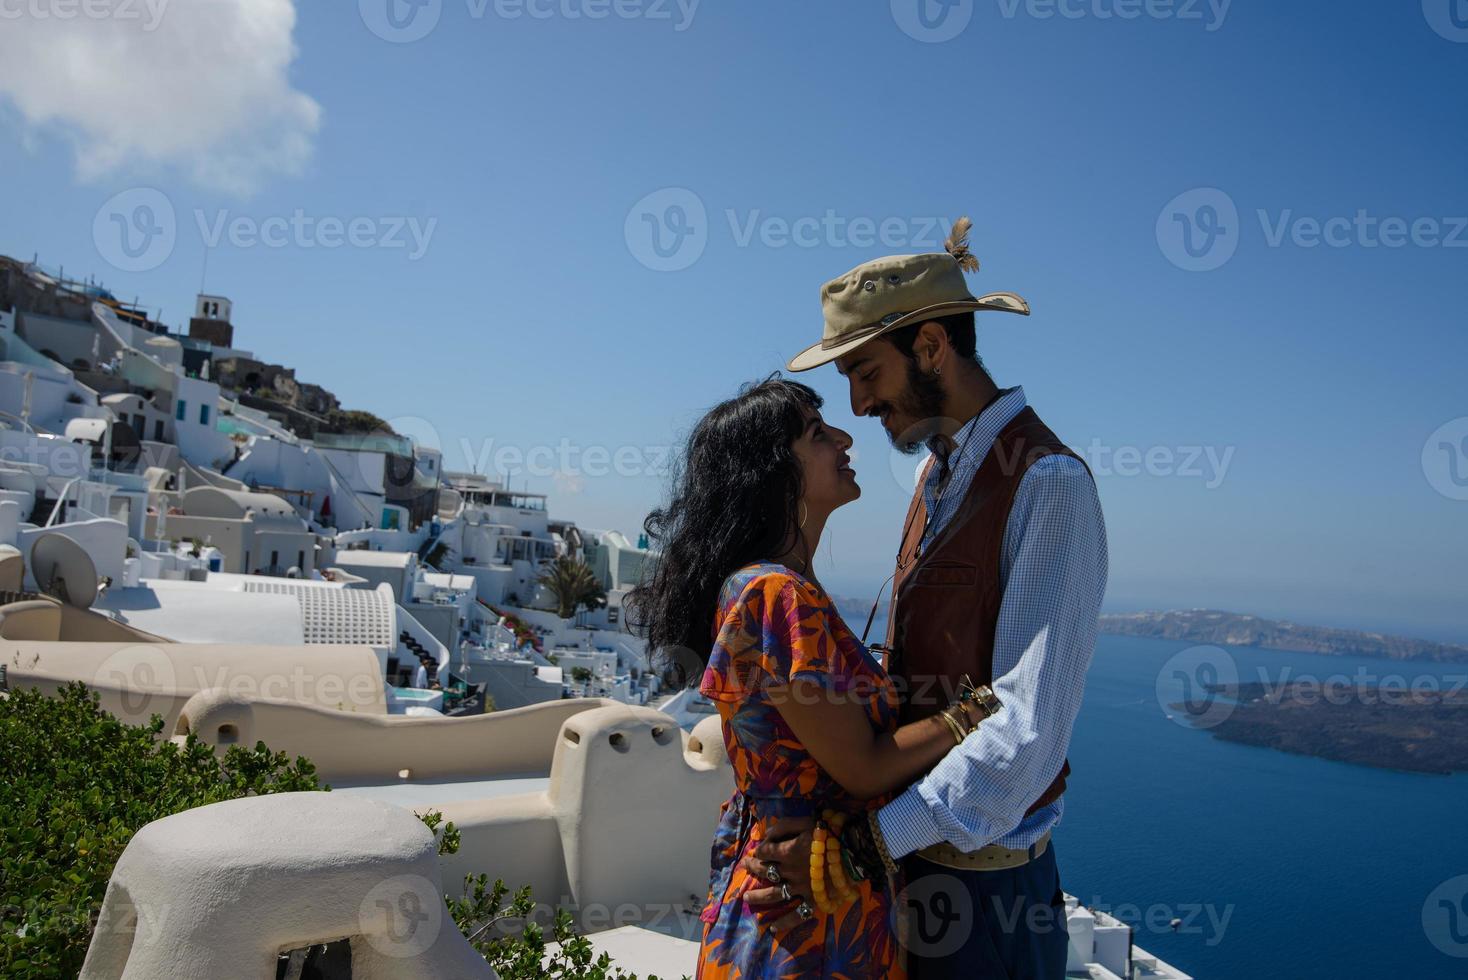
x,y
921,400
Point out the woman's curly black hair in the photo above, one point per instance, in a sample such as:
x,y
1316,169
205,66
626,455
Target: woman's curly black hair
x,y
735,492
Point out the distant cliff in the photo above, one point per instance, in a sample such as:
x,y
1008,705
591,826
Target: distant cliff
x,y
1234,629
1388,728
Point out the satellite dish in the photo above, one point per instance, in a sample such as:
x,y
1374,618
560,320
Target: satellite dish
x,y
63,570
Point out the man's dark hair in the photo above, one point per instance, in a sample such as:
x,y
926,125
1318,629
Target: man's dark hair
x,y
961,334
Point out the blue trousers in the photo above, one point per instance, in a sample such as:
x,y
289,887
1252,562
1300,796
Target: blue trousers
x,y
986,925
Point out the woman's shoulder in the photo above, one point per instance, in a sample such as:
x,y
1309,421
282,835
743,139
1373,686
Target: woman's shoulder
x,y
773,624
770,581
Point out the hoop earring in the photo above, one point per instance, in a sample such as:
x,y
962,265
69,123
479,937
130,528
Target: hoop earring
x,y
803,515
937,371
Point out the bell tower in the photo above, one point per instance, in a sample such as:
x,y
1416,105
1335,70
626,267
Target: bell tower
x,y
210,322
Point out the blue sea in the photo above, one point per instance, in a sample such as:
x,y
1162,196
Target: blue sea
x,y
1309,868
1280,866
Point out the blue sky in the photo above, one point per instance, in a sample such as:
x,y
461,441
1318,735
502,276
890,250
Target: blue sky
x,y
534,155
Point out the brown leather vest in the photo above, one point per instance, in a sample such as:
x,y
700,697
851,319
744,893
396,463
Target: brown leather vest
x,y
945,602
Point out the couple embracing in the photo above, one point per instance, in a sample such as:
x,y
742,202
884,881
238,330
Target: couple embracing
x,y
893,806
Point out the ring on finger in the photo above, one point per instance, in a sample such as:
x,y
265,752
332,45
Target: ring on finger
x,y
785,892
772,873
804,910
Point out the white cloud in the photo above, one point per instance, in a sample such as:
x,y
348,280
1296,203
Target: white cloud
x,y
202,85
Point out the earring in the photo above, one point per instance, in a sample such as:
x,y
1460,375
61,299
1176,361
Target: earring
x,y
803,515
937,371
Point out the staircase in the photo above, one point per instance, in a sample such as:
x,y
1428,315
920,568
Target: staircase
x,y
407,640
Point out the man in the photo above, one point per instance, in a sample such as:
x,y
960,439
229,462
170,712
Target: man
x,y
1000,577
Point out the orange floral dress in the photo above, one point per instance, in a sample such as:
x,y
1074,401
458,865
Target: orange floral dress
x,y
774,626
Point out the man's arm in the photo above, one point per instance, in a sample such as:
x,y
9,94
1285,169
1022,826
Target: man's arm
x,y
1055,554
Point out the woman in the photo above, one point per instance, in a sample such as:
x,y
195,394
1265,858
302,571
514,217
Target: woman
x,y
809,717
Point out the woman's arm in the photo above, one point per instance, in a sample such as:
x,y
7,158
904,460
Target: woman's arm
x,y
836,731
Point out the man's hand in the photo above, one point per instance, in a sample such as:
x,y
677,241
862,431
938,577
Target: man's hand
x,y
787,846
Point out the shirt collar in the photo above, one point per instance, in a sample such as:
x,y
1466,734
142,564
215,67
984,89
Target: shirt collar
x,y
976,436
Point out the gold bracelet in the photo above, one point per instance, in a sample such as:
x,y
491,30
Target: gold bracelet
x,y
961,717
953,726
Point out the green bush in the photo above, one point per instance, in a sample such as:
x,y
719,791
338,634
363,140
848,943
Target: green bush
x,y
355,420
506,934
75,785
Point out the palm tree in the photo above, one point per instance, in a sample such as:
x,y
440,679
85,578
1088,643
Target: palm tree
x,y
574,585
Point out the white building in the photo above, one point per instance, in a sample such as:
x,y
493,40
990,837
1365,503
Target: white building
x,y
274,458
501,538
257,532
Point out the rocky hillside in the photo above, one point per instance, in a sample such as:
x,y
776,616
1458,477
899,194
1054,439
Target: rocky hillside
x,y
1235,629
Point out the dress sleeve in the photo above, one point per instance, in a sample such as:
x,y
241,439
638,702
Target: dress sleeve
x,y
777,631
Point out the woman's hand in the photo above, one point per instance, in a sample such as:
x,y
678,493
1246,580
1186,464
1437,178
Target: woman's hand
x,y
786,846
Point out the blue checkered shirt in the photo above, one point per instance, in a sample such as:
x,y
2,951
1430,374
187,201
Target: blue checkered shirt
x,y
1054,574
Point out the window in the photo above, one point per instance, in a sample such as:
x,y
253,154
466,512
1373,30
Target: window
x,y
179,409
274,560
203,414
301,561
157,430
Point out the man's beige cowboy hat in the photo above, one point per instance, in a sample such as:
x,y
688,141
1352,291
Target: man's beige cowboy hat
x,y
898,290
